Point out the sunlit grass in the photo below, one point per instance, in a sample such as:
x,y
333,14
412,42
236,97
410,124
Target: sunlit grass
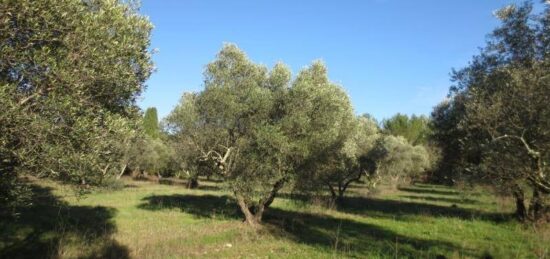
x,y
150,220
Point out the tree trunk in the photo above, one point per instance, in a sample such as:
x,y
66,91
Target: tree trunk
x,y
136,173
250,218
521,211
122,171
333,195
192,183
273,193
343,186
394,182
340,198
104,173
254,213
259,212
536,206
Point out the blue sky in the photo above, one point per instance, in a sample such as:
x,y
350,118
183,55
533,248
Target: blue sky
x,y
390,55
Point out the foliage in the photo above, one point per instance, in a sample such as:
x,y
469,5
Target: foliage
x,y
449,139
346,164
69,75
395,158
154,156
414,129
187,138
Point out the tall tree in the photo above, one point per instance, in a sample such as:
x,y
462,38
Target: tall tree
x,y
70,72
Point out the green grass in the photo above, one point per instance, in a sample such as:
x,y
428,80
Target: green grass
x,y
149,220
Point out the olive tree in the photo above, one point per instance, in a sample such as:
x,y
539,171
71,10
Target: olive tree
x,y
501,109
449,139
516,120
70,73
396,159
346,163
187,137
232,124
257,128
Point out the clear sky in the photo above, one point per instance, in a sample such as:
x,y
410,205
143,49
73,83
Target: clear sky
x,y
390,55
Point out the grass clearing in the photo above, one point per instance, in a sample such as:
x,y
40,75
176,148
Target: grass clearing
x,y
150,220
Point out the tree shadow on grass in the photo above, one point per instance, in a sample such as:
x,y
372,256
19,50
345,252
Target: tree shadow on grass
x,y
427,191
375,207
442,199
353,238
42,228
213,188
210,180
403,209
184,183
202,206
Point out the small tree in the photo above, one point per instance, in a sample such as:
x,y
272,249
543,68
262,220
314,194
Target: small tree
x,y
347,163
155,157
395,158
188,138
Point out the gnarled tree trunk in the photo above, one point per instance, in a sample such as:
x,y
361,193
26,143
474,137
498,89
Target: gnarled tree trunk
x,y
343,184
122,171
248,211
521,211
337,195
253,213
538,208
193,182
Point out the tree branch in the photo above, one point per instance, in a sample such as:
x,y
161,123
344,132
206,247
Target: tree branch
x,y
530,151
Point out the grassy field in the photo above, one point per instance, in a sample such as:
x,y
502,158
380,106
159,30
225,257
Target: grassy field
x,y
150,220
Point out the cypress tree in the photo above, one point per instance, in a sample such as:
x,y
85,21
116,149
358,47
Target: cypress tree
x,y
151,123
